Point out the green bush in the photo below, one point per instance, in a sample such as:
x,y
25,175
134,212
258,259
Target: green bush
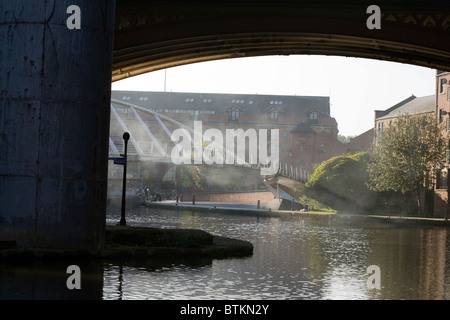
x,y
340,183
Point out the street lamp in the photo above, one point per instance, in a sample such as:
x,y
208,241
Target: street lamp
x,y
122,160
126,137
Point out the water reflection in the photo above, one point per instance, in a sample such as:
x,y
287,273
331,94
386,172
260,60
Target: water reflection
x,y
293,258
299,259
47,281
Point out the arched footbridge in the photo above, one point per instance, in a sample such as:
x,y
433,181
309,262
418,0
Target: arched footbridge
x,y
152,139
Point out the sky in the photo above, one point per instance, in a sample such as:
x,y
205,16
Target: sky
x,y
356,86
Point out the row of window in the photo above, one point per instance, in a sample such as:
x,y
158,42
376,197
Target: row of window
x,y
320,149
276,102
234,101
208,100
189,111
234,115
272,102
127,98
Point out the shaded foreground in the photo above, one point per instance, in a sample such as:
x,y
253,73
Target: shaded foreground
x,y
139,242
124,242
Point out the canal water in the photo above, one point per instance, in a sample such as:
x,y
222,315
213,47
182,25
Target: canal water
x,y
294,258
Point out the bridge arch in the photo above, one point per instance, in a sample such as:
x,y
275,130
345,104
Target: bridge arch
x,y
150,35
57,80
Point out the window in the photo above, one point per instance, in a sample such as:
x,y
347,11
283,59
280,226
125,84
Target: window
x,y
443,179
442,113
313,116
273,115
302,146
442,85
380,126
285,133
234,115
322,148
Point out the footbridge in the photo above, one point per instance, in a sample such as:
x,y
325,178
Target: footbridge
x,y
151,140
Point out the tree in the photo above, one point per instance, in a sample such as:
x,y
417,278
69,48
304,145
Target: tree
x,y
345,139
341,183
406,155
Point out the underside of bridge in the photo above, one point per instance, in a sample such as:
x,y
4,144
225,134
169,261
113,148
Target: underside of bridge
x,y
151,35
56,77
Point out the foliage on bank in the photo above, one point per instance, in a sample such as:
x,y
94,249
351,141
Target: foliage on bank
x,y
340,183
407,156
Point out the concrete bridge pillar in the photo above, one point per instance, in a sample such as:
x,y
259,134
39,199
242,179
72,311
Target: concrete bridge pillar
x,y
55,82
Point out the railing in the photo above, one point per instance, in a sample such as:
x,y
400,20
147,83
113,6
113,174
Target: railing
x,y
156,142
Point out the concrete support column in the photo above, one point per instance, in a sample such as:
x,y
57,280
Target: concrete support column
x,y
55,87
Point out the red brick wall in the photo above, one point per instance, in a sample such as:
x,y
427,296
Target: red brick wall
x,y
362,143
238,197
441,199
310,155
440,203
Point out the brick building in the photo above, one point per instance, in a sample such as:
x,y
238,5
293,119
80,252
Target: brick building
x,y
442,110
439,105
362,143
410,105
307,132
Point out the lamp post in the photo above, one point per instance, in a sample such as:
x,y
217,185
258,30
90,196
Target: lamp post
x,y
126,137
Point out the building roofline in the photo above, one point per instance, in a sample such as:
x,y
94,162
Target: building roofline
x,y
395,106
420,105
220,94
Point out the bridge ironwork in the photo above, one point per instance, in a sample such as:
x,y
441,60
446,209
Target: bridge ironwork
x,y
151,140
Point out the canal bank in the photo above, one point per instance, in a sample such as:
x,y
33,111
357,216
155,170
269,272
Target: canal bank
x,y
251,210
143,242
127,242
